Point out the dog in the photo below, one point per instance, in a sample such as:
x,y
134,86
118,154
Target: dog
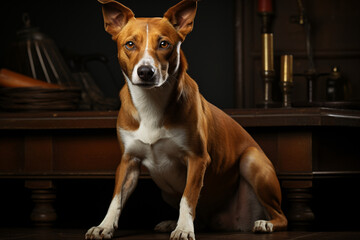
x,y
204,162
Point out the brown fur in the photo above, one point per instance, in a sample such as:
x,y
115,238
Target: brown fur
x,y
220,151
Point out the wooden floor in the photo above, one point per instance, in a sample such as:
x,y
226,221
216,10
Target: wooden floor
x,y
72,234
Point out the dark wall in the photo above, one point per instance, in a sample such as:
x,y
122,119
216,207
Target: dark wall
x,y
77,28
335,35
225,62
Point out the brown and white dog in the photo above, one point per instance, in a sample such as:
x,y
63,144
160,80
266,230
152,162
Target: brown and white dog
x,y
203,161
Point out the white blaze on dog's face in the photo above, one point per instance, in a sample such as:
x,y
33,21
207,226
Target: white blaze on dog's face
x,y
148,48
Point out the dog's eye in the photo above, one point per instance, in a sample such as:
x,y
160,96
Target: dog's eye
x,y
130,45
164,44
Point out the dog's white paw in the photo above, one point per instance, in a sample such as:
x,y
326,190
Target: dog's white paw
x,y
179,234
99,233
262,226
165,226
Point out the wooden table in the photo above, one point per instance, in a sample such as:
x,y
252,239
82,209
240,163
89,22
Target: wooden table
x,y
303,143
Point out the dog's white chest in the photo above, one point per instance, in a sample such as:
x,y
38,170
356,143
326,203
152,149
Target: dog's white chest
x,y
161,151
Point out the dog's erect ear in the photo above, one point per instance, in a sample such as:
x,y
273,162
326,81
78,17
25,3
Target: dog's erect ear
x,y
115,16
182,16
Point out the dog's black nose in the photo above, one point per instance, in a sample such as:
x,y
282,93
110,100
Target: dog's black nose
x,y
145,73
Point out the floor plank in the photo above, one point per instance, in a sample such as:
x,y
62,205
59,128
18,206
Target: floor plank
x,y
72,234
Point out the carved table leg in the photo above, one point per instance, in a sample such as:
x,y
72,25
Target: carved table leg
x,y
300,214
43,197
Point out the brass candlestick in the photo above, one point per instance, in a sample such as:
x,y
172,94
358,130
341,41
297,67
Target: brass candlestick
x,y
267,67
267,71
286,79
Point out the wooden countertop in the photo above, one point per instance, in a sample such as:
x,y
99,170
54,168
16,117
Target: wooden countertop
x,y
246,117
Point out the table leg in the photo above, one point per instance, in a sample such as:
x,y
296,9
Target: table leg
x,y
299,212
43,196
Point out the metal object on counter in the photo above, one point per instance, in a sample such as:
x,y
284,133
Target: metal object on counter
x,y
267,52
39,78
286,78
304,20
310,74
336,87
338,91
92,97
35,54
267,71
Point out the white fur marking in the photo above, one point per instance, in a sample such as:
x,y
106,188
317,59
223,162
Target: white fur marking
x,y
107,227
177,58
112,216
263,226
160,149
150,103
185,218
147,38
145,60
185,225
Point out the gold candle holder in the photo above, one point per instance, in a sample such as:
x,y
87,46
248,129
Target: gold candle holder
x,y
267,68
286,68
286,78
267,51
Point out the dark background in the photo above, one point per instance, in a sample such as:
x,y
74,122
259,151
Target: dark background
x,y
77,28
223,53
335,35
224,49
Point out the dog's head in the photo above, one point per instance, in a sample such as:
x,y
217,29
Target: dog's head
x,y
149,48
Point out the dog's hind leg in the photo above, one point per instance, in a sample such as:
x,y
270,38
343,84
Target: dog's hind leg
x,y
168,225
259,172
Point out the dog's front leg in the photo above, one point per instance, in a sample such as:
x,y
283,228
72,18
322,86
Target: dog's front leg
x,y
127,175
196,167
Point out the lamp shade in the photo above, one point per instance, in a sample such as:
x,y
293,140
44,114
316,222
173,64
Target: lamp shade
x,y
36,55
